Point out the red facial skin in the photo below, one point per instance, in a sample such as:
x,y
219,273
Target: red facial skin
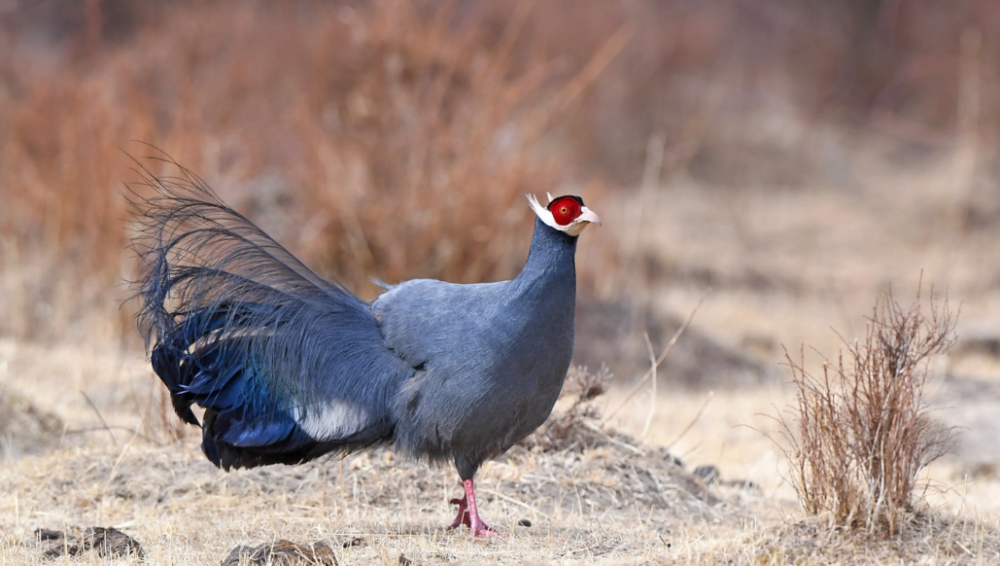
x,y
565,210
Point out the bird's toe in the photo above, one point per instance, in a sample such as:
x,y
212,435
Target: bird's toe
x,y
486,531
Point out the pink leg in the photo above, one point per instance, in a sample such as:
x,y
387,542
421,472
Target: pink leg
x,y
468,514
463,513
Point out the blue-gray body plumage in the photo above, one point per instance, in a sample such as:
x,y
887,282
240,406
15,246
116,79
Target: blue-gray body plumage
x,y
289,366
491,357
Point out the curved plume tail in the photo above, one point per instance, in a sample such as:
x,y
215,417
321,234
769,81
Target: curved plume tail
x,y
287,365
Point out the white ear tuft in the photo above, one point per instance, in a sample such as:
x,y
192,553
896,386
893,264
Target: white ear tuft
x,y
542,212
551,198
534,204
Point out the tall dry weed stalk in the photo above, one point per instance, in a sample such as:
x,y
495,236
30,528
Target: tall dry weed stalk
x,y
860,433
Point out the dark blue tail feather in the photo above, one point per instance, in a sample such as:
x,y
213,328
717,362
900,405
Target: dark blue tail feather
x,y
240,327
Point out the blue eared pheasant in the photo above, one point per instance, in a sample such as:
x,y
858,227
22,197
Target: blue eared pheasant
x,y
289,366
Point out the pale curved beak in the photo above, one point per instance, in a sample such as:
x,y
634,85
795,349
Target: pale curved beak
x,y
587,215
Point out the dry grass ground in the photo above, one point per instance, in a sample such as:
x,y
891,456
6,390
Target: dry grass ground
x,y
608,505
117,462
796,224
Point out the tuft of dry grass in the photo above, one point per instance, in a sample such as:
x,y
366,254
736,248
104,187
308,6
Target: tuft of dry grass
x,y
861,433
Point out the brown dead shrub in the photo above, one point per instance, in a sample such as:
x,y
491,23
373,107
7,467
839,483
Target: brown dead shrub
x,y
860,433
386,138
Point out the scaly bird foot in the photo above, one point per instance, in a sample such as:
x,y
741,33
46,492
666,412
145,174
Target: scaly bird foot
x,y
463,514
468,515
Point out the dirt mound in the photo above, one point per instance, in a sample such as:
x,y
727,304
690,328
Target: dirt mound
x,y
107,542
612,477
375,497
282,553
620,469
573,464
25,429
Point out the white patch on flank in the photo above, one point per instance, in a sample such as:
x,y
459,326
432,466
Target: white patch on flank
x,y
332,419
574,228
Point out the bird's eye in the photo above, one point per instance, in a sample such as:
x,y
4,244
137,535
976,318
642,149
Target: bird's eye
x,y
564,210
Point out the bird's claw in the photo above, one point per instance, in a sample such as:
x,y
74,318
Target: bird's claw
x,y
486,531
